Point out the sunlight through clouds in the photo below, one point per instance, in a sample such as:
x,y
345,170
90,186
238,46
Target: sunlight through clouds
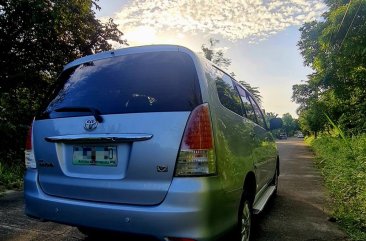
x,y
233,20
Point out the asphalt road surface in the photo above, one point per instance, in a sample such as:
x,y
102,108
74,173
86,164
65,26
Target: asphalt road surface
x,y
297,213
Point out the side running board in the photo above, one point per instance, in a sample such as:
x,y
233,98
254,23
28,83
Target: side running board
x,y
261,203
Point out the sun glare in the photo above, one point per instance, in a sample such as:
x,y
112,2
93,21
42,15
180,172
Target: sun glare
x,y
145,35
141,35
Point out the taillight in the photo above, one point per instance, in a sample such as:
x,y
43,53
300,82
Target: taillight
x,y
30,161
197,154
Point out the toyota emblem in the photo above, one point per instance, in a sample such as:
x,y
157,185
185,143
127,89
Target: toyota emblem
x,y
90,125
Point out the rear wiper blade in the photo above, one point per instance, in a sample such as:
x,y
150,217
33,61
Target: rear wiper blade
x,y
94,111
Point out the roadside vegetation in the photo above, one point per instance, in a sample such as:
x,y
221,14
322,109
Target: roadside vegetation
x,y
11,177
344,171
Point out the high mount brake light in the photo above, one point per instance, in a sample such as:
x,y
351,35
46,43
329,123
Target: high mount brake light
x,y
197,154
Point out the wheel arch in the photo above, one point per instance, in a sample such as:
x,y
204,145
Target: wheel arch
x,y
250,186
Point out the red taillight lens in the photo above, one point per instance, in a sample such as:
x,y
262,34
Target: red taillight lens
x,y
30,161
197,155
198,134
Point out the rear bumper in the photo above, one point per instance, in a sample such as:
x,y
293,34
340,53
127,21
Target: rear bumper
x,y
187,211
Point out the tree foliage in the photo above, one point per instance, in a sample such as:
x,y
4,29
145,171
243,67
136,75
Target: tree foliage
x,y
335,48
288,124
212,53
37,38
215,55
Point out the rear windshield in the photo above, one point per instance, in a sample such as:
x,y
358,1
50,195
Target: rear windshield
x,y
135,83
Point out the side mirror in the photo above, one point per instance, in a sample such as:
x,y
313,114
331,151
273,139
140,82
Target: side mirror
x,y
275,123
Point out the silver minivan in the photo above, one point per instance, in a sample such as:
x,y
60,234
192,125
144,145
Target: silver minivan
x,y
150,140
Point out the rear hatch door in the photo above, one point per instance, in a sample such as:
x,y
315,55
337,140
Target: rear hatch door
x,y
142,102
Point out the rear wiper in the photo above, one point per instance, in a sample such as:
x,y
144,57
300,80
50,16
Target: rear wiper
x,y
94,111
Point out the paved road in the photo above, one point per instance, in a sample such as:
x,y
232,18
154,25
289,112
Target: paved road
x,y
296,214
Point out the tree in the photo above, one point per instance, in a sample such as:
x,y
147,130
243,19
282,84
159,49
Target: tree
x,y
335,48
271,115
37,38
313,120
289,124
217,57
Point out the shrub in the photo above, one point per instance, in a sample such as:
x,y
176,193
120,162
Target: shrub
x,y
11,176
344,171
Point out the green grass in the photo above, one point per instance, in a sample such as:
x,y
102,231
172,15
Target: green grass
x,y
11,176
344,171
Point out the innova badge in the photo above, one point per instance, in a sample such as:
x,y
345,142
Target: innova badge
x,y
90,125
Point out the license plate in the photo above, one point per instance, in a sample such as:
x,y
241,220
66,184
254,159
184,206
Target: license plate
x,y
95,156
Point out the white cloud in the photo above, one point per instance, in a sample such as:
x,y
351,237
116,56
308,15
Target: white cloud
x,y
232,20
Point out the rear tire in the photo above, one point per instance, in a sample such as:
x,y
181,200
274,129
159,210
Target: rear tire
x,y
245,220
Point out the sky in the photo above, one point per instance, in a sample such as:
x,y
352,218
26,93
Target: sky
x,y
259,36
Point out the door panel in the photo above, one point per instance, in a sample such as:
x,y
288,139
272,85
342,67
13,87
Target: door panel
x,y
267,152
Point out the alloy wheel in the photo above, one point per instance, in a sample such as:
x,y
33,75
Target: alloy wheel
x,y
246,222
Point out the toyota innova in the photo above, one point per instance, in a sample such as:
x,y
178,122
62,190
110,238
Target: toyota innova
x,y
150,140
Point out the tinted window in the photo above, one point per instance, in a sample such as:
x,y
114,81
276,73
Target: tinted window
x,y
248,108
228,95
147,82
258,113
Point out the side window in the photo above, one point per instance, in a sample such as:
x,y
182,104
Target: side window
x,y
258,113
227,93
248,108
